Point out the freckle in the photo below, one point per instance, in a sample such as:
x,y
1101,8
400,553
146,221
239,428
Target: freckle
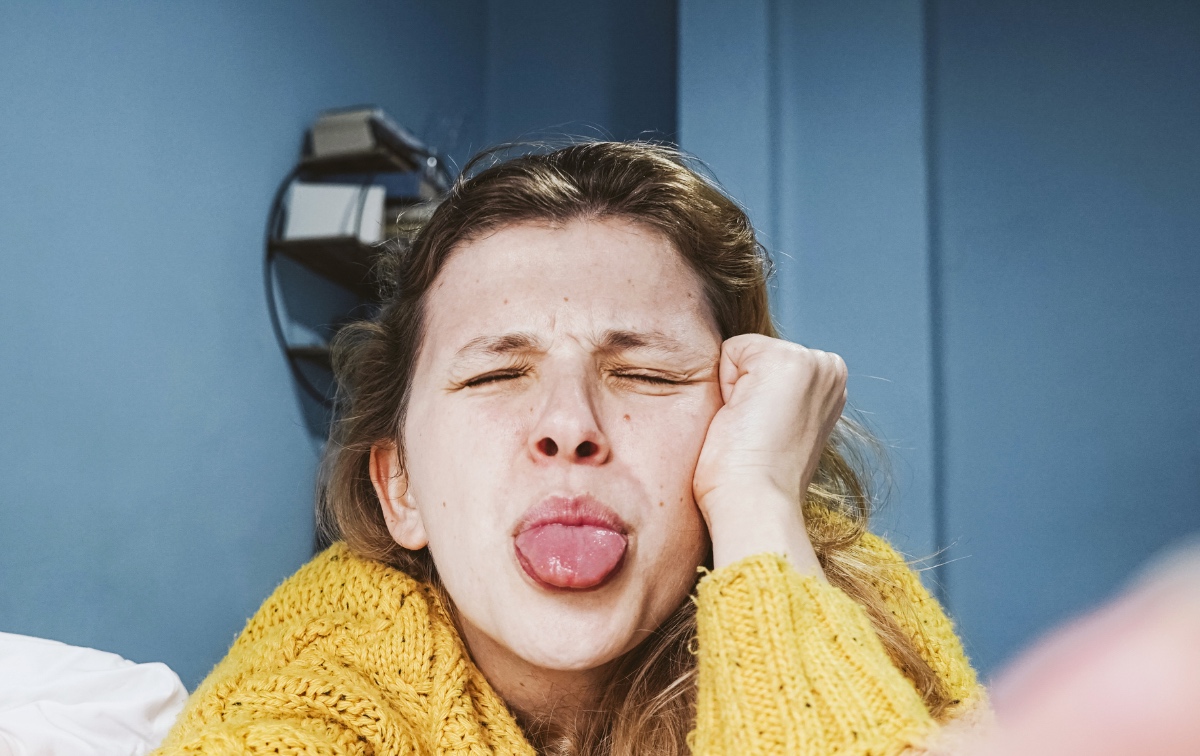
x,y
627,417
566,300
662,503
443,503
506,301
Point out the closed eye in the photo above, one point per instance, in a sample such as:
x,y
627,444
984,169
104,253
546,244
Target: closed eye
x,y
495,377
509,374
648,378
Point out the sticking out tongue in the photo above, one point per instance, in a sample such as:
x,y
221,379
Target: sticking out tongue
x,y
570,556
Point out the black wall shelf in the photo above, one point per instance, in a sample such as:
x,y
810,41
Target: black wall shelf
x,y
318,354
342,259
374,161
346,261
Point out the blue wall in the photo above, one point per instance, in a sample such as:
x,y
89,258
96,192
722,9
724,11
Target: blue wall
x,y
995,206
600,69
1068,186
812,114
992,209
156,460
157,471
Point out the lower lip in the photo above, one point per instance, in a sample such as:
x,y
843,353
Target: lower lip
x,y
570,557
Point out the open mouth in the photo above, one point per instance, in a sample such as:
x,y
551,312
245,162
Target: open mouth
x,y
572,543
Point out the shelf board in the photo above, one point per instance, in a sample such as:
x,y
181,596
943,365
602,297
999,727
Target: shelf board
x,y
374,161
341,259
315,353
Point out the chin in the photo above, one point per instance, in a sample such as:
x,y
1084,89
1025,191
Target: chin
x,y
573,631
575,643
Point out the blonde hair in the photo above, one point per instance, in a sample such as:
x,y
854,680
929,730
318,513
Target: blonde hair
x,y
649,704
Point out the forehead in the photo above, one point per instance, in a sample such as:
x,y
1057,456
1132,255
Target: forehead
x,y
576,279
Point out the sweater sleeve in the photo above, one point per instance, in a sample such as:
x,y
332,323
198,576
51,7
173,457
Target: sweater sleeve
x,y
789,664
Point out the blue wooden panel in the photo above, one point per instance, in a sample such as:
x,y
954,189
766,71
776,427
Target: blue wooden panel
x,y
725,100
157,472
1069,154
600,69
812,114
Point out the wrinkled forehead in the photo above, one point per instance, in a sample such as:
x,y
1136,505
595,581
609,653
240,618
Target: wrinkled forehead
x,y
580,280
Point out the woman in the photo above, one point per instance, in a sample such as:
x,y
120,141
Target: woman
x,y
588,503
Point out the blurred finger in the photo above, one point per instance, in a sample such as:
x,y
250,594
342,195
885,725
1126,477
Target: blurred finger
x,y
1123,680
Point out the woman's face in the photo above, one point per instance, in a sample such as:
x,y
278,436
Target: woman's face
x,y
560,399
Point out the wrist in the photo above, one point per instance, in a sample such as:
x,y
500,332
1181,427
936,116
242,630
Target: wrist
x,y
758,521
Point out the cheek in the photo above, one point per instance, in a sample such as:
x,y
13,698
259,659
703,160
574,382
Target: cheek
x,y
459,457
450,438
663,448
665,441
666,444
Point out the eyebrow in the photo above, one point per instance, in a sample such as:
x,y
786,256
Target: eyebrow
x,y
612,342
506,343
616,341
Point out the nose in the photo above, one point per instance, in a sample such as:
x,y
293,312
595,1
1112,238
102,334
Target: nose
x,y
567,427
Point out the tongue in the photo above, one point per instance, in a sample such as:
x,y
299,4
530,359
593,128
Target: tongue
x,y
570,556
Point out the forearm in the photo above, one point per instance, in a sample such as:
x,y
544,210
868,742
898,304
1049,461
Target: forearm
x,y
775,525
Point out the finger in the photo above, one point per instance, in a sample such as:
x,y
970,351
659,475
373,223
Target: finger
x,y
839,376
1119,681
735,355
839,366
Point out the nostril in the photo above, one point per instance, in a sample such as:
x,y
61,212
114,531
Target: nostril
x,y
548,447
586,449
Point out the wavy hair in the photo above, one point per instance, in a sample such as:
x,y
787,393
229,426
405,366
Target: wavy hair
x,y
649,704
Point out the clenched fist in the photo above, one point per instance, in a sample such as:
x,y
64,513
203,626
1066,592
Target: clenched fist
x,y
781,402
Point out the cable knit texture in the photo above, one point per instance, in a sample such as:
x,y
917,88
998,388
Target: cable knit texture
x,y
350,656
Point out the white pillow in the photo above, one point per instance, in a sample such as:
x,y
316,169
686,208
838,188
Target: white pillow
x,y
57,699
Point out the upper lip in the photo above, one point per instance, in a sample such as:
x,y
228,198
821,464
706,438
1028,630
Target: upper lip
x,y
571,510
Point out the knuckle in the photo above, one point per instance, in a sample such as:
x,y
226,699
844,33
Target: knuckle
x,y
837,364
805,360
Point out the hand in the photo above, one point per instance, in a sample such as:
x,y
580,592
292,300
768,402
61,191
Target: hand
x,y
1125,679
762,448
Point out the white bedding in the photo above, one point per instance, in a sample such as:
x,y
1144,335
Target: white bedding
x,y
57,699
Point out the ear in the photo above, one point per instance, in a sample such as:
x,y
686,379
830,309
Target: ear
x,y
399,510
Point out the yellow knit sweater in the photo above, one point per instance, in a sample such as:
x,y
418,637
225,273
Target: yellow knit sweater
x,y
350,656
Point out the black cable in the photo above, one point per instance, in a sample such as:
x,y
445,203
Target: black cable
x,y
274,218
361,203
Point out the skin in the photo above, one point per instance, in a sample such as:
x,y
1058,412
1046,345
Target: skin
x,y
534,333
1121,680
